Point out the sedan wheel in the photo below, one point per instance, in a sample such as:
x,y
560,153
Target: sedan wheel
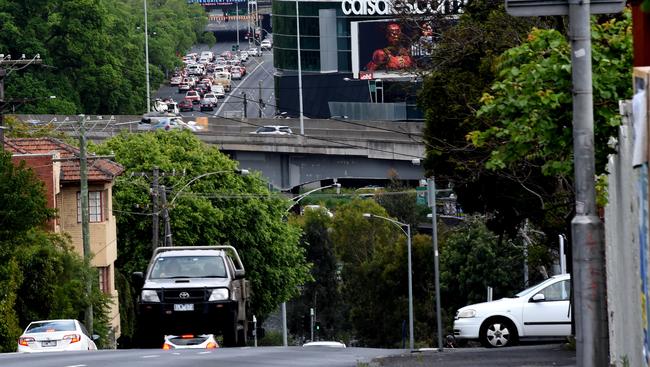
x,y
497,333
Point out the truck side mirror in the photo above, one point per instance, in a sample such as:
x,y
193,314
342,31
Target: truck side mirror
x,y
240,274
137,279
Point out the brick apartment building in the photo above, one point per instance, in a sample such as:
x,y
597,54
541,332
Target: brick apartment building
x,y
53,161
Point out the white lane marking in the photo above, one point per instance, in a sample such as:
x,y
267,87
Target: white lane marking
x,y
218,113
205,352
151,356
176,354
76,365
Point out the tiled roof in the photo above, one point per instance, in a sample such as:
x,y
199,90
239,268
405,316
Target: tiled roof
x,y
98,169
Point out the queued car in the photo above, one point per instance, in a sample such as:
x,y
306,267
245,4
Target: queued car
x,y
206,105
190,341
542,310
273,130
219,90
193,96
175,80
56,336
236,72
183,87
185,105
265,45
211,97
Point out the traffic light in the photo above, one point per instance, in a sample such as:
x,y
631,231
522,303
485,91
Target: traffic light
x,y
235,47
317,326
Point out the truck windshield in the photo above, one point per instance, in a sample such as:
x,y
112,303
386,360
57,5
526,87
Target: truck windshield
x,y
188,267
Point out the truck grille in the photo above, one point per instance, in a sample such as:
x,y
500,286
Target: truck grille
x,y
184,295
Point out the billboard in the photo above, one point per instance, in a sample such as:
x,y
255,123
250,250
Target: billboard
x,y
389,49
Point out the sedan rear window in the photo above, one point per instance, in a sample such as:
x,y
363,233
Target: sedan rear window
x,y
51,326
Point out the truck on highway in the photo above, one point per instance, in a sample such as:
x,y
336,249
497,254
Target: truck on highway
x,y
193,290
224,79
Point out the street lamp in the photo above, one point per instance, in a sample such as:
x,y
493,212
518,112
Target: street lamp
x,y
302,117
165,210
407,232
146,55
297,199
242,172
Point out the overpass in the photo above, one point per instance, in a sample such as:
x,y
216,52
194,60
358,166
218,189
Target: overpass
x,y
342,149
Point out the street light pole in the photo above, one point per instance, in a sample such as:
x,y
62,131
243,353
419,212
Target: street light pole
x,y
146,55
237,25
407,232
302,117
431,186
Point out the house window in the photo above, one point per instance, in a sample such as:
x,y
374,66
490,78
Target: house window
x,y
104,279
95,206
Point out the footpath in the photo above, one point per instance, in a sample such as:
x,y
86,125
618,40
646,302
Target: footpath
x,y
519,356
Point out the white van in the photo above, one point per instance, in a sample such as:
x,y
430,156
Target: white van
x,y
208,55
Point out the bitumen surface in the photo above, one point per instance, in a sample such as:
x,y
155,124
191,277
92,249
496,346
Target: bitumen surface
x,y
518,356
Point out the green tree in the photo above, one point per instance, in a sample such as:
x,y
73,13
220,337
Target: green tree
x,y
461,71
94,50
222,208
41,277
472,258
527,114
323,292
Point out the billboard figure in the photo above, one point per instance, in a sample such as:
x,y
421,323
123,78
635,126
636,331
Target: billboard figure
x,y
395,55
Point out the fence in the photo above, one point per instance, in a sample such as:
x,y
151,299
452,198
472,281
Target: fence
x,y
626,233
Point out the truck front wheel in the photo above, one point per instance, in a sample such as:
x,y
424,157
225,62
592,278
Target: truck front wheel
x,y
230,330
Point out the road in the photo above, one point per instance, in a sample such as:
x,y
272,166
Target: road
x,y
259,69
231,357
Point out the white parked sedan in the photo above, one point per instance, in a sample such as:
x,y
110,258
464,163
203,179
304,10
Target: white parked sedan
x,y
55,336
540,311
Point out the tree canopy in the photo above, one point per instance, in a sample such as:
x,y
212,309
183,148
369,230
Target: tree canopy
x,y
93,51
219,208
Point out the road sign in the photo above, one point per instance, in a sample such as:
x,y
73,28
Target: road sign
x,y
421,195
538,8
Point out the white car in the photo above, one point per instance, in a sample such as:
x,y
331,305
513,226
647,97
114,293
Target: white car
x,y
235,73
211,97
540,311
55,336
326,344
243,55
266,45
253,51
273,130
218,90
189,341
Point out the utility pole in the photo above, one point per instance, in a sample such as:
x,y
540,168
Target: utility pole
x,y
146,55
167,242
261,103
155,218
431,194
3,73
245,105
85,230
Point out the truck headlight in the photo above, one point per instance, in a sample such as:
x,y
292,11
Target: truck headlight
x,y
466,314
150,295
218,294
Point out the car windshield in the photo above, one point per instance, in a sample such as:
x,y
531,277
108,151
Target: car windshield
x,y
528,290
188,267
51,326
